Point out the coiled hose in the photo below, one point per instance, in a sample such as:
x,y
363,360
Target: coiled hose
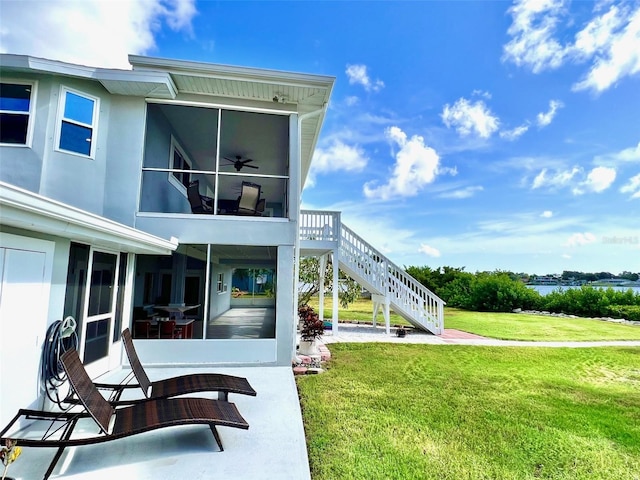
x,y
61,336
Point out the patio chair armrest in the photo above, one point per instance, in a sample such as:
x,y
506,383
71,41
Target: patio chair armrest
x,y
116,390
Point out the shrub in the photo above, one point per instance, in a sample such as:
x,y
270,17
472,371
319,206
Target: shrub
x,y
457,293
497,292
492,292
628,312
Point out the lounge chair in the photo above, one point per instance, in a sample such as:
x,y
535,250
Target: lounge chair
x,y
118,423
172,387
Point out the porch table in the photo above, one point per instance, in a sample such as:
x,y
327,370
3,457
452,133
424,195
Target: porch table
x,y
186,324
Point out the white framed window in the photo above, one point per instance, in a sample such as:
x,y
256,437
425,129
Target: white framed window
x,y
77,122
220,283
180,165
17,107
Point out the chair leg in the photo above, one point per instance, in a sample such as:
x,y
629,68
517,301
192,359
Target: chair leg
x,y
216,436
53,463
66,436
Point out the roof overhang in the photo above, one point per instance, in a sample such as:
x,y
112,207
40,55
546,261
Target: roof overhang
x,y
167,79
26,210
117,82
308,93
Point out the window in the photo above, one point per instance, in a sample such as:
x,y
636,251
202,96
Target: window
x,y
16,112
180,165
220,283
78,118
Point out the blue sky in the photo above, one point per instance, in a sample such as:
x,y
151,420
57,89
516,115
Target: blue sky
x,y
484,135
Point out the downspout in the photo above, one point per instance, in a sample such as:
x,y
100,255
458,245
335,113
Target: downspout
x,y
302,118
296,248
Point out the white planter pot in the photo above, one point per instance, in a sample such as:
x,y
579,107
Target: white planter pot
x,y
308,347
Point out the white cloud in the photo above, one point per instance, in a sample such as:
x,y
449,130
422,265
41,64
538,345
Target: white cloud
x,y
358,75
609,44
558,179
467,118
514,133
598,180
631,154
462,193
547,214
91,32
481,93
337,156
578,239
545,119
430,251
416,166
532,30
632,187
613,40
351,100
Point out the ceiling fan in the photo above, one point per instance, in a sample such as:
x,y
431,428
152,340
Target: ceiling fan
x,y
238,163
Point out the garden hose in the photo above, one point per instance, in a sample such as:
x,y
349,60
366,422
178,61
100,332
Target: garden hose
x,y
61,336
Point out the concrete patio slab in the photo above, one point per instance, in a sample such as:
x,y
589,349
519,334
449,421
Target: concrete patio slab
x,y
273,448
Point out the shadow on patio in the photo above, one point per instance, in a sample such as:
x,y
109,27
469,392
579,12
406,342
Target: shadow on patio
x,y
273,448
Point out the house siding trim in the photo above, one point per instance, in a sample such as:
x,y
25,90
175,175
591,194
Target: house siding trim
x,y
23,209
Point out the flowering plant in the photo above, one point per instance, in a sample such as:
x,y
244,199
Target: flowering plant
x,y
8,454
312,327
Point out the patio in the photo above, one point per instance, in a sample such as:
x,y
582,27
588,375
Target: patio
x,y
273,448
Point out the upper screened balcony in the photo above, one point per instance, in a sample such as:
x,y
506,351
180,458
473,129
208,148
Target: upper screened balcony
x,y
200,160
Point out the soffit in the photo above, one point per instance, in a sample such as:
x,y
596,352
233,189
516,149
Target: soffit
x,y
307,93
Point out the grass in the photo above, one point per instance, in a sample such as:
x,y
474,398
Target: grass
x,y
389,411
506,326
518,326
359,311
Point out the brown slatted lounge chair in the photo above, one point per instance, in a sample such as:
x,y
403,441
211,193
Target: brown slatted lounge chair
x,y
119,423
175,386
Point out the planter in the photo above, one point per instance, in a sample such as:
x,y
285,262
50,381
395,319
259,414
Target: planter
x,y
308,347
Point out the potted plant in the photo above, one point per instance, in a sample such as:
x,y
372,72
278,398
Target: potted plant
x,y
311,329
8,454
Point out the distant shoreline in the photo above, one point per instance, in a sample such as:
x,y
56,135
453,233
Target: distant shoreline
x,y
546,288
599,283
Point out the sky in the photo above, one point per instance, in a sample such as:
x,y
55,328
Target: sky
x,y
478,135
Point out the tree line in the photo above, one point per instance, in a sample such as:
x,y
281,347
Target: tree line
x,y
502,291
497,291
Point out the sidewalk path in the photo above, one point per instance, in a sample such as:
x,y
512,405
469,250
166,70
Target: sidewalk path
x,y
353,333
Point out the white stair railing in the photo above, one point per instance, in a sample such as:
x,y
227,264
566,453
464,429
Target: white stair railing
x,y
376,272
407,296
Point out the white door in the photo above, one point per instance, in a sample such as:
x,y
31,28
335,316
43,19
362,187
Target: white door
x,y
99,312
25,273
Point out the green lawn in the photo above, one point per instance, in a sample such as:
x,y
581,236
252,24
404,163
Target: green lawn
x,y
507,326
389,411
518,326
359,311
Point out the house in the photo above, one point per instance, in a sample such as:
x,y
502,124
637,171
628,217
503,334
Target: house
x,y
170,191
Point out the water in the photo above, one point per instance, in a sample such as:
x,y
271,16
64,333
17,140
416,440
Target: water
x,y
545,289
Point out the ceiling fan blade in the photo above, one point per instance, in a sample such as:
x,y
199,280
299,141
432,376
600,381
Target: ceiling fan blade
x,y
250,166
244,162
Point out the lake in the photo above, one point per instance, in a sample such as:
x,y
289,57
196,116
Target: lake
x,y
545,289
